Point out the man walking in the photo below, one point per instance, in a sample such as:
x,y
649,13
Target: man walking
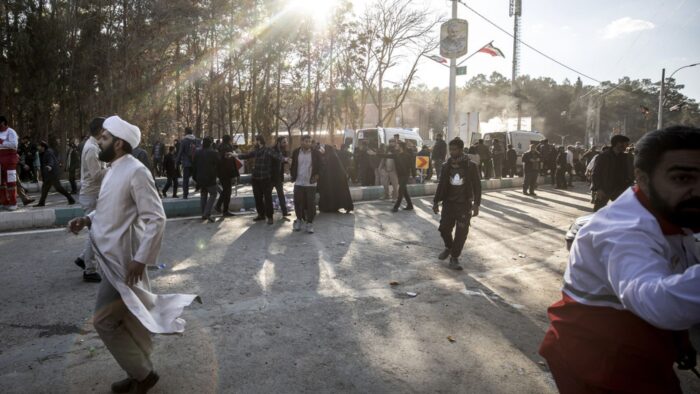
x,y
205,168
185,155
531,169
157,153
459,190
9,143
304,171
387,168
50,175
228,171
631,285
439,154
611,173
262,178
92,170
129,213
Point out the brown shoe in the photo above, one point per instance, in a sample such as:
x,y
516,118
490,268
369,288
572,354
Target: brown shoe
x,y
123,386
143,386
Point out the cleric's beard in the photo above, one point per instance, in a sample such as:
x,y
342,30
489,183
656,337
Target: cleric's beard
x,y
108,154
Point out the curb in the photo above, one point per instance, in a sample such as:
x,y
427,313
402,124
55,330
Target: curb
x,y
160,183
12,221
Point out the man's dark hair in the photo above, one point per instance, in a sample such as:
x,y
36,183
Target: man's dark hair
x,y
226,139
280,139
206,142
188,130
259,138
96,126
618,139
171,148
510,146
653,145
3,119
308,137
44,144
438,135
458,143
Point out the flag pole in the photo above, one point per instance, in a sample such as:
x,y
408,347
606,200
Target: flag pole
x,y
479,50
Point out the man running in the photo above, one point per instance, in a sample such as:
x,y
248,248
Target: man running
x,y
631,286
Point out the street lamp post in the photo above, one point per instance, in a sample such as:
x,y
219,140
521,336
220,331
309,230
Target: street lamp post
x,y
662,93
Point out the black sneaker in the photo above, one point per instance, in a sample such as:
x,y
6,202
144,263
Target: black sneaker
x,y
444,254
408,208
270,221
80,263
227,214
394,210
454,264
143,386
123,386
92,278
259,218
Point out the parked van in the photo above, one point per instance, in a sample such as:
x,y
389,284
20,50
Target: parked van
x,y
380,136
520,140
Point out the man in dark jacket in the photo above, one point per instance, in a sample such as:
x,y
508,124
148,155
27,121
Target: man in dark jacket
x,y
50,175
561,168
548,155
439,154
363,167
185,155
611,172
170,172
262,177
425,151
205,168
228,170
485,156
459,190
511,162
73,166
403,162
277,177
498,156
305,170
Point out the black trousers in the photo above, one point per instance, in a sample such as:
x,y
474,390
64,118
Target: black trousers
x,y
262,191
530,182
56,183
403,193
561,177
171,182
305,203
509,169
186,181
225,198
455,215
279,187
71,179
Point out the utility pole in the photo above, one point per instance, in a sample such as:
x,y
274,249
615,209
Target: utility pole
x,y
453,88
660,121
516,8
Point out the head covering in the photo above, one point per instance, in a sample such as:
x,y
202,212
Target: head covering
x,y
123,129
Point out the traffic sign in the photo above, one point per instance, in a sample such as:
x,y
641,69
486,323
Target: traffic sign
x,y
422,162
462,70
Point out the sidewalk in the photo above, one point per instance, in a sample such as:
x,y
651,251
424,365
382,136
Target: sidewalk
x,y
58,213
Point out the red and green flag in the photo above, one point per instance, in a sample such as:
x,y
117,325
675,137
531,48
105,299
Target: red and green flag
x,y
492,50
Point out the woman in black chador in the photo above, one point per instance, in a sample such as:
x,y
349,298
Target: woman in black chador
x,y
333,189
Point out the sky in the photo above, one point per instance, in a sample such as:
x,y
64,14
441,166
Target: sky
x,y
601,38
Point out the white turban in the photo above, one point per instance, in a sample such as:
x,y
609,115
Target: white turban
x,y
123,129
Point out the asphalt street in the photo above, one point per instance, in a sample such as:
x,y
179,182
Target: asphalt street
x,y
291,312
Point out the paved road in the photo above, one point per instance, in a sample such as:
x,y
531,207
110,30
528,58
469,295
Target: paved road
x,y
289,312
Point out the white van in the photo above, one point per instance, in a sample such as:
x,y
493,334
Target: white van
x,y
520,140
381,135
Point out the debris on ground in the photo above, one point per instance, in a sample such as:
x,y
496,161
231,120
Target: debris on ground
x,y
411,294
449,338
394,283
522,256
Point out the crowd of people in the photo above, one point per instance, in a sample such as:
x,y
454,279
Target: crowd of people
x,y
630,288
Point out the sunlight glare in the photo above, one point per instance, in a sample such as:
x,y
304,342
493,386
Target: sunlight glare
x,y
320,11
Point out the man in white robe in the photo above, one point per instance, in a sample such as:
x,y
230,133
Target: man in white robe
x,y
126,230
632,286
